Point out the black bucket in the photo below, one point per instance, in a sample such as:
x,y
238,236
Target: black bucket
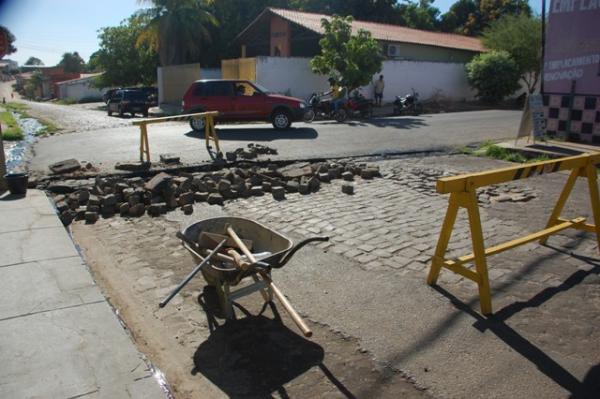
x,y
17,183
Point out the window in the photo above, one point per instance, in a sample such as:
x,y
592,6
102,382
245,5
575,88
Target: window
x,y
244,89
222,89
200,90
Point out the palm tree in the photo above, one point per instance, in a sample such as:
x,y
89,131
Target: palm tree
x,y
177,29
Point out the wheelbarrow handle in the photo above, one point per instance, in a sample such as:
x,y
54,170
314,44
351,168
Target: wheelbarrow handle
x,y
296,247
199,267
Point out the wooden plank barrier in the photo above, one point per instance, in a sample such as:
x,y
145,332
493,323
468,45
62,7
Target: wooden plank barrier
x,y
462,190
209,130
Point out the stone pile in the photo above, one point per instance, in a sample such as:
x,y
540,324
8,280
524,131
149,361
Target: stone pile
x,y
252,151
135,196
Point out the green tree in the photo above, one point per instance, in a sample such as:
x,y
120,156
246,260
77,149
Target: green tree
x,y
72,62
456,19
421,15
33,86
124,63
471,17
494,75
10,39
33,61
353,59
92,64
368,10
177,29
521,37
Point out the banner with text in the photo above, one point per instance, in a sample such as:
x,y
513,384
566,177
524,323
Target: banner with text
x,y
573,47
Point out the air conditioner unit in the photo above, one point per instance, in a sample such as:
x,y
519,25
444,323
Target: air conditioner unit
x,y
393,50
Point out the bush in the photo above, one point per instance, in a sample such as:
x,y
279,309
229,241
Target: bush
x,y
494,75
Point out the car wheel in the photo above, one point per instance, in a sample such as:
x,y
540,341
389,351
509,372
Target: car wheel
x,y
281,119
197,124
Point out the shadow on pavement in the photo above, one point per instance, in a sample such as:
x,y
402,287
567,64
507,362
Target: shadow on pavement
x,y
496,324
6,196
260,134
255,356
398,123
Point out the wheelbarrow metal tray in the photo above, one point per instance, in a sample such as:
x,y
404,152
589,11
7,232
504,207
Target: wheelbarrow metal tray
x,y
264,239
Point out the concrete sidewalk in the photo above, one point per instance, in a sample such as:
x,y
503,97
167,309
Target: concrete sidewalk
x,y
59,338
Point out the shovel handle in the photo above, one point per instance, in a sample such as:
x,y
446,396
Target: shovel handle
x,y
286,304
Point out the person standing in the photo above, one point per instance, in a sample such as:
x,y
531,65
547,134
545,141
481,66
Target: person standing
x,y
379,86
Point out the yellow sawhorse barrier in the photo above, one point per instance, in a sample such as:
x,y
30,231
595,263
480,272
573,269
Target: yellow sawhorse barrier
x,y
463,194
209,130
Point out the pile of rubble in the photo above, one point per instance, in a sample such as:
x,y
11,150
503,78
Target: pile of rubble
x,y
251,152
133,197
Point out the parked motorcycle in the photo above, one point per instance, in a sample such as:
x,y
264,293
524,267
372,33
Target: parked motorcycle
x,y
321,107
358,106
408,105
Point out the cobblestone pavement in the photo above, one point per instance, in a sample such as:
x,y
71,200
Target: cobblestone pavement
x,y
543,341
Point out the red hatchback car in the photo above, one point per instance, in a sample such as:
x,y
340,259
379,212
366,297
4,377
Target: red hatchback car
x,y
241,100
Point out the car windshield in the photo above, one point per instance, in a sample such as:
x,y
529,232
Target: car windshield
x,y
261,88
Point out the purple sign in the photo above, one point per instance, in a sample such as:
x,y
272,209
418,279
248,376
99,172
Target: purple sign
x,y
573,47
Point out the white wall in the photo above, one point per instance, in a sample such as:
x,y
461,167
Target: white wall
x,y
427,78
293,76
289,76
78,90
210,73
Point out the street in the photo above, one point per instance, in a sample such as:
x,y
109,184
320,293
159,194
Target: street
x,y
109,145
379,330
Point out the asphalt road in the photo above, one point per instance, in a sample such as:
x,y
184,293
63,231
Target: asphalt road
x,y
317,139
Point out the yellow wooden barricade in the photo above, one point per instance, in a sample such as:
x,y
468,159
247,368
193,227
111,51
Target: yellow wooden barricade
x,y
209,130
462,190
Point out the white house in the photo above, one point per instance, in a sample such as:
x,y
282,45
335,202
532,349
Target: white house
x,y
79,89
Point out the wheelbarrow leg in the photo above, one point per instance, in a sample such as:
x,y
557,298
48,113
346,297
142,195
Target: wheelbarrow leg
x,y
228,306
267,294
224,301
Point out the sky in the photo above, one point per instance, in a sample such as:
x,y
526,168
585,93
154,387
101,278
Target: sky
x,y
47,29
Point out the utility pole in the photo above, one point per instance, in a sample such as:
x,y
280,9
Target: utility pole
x,y
543,46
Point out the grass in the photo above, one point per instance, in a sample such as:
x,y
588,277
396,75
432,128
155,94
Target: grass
x,y
21,109
11,131
17,107
491,150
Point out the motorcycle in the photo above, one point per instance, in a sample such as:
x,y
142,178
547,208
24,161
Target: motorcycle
x,y
358,106
408,105
322,108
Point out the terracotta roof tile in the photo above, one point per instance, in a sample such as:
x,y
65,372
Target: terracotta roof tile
x,y
391,33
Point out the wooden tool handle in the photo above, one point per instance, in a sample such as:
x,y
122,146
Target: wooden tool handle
x,y
286,304
237,259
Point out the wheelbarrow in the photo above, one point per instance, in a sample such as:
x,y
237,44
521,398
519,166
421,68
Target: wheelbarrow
x,y
272,249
